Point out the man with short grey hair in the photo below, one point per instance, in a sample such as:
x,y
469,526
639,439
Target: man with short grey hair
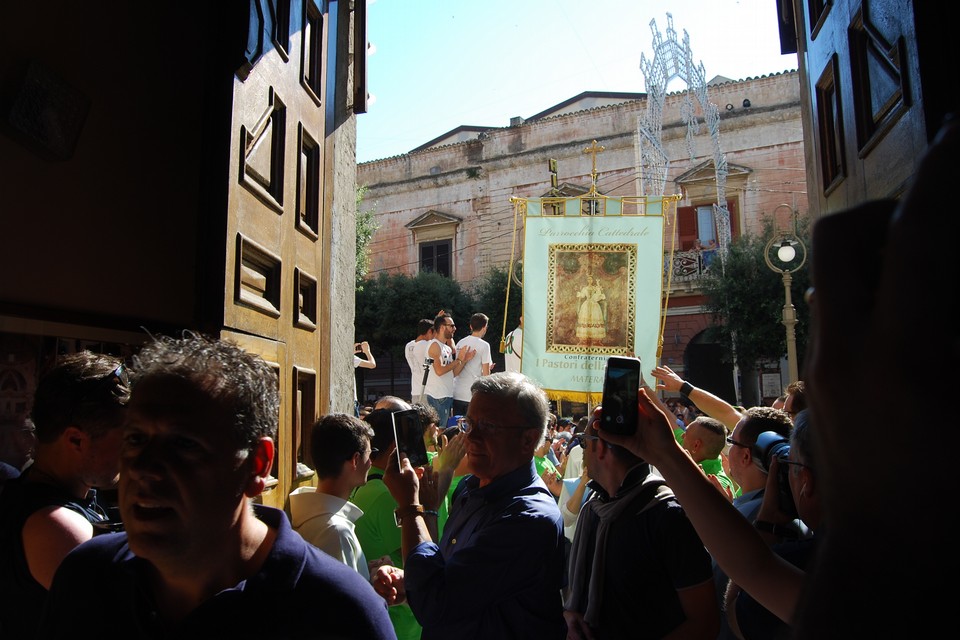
x,y
498,570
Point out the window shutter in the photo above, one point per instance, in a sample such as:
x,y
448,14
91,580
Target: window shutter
x,y
734,219
686,227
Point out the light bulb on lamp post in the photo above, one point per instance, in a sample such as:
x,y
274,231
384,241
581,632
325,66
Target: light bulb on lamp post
x,y
786,253
788,261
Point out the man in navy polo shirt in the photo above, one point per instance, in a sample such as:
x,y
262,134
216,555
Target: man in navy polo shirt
x,y
198,557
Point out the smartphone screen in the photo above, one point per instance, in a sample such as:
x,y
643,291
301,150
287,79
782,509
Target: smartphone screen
x,y
621,381
408,432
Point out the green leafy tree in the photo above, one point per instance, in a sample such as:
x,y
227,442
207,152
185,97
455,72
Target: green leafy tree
x,y
490,295
388,308
746,299
366,227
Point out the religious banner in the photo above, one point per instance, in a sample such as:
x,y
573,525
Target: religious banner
x,y
592,287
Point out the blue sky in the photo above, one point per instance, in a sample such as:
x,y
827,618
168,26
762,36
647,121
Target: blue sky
x,y
434,65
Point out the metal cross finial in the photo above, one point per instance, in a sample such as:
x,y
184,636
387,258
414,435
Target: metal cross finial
x,y
594,149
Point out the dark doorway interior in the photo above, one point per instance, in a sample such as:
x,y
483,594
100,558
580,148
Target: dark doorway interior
x,y
704,367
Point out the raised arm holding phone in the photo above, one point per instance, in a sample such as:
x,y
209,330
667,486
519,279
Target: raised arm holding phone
x,y
735,544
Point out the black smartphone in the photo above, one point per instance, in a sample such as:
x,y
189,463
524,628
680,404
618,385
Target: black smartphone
x,y
621,383
408,433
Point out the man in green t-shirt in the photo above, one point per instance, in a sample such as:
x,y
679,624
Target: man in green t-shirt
x,y
546,469
704,439
377,528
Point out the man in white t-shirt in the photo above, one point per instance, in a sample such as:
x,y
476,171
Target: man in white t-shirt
x,y
513,350
416,352
473,369
447,364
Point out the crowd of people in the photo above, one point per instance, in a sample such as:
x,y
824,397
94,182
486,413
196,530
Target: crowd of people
x,y
796,527
521,520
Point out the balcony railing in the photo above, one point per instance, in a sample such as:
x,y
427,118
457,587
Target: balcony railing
x,y
688,267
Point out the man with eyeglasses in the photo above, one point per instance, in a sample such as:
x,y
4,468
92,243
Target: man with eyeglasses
x,y
448,363
747,471
51,508
498,569
745,615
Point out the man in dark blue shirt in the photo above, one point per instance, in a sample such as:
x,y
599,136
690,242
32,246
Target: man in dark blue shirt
x,y
197,557
498,570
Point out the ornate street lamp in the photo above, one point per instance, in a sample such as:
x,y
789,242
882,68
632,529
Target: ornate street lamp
x,y
785,253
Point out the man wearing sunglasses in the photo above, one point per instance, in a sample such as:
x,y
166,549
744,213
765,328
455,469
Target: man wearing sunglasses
x,y
448,363
51,508
747,471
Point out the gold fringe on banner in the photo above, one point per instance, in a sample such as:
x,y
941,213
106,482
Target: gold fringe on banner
x,y
590,399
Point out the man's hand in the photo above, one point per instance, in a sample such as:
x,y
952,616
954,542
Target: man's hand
x,y
667,379
402,481
373,565
388,582
430,496
560,449
715,481
770,506
653,439
466,353
450,456
577,628
553,482
445,465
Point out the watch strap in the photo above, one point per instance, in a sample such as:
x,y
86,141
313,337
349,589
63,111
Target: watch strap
x,y
409,510
779,530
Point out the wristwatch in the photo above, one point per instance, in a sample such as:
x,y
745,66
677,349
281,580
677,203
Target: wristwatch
x,y
779,530
402,512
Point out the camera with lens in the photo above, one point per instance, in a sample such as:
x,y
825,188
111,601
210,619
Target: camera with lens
x,y
770,445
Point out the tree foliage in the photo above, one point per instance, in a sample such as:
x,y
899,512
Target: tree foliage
x,y
366,226
746,299
490,296
389,306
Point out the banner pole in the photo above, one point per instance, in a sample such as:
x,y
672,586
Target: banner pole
x,y
513,253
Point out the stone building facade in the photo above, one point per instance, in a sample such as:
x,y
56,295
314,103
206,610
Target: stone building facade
x,y
451,197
